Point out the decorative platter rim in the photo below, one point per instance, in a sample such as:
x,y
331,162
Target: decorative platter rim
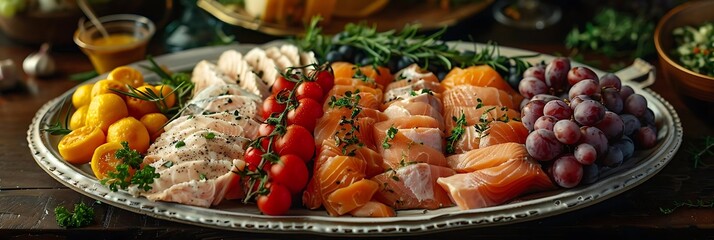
x,y
246,218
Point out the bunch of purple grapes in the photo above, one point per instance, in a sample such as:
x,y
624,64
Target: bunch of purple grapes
x,y
580,124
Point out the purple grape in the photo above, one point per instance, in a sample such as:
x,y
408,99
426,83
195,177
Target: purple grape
x,y
594,137
589,112
545,122
531,112
567,172
636,105
648,118
626,146
556,73
530,86
537,71
578,74
542,145
613,158
577,100
645,137
626,91
610,80
585,87
591,173
558,109
612,125
612,100
567,131
585,154
545,97
631,124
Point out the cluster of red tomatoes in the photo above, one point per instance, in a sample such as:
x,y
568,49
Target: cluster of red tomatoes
x,y
276,162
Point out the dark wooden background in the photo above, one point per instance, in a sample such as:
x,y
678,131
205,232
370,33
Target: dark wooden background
x,y
28,195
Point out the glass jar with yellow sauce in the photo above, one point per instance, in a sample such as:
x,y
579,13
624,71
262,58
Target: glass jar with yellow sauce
x,y
128,36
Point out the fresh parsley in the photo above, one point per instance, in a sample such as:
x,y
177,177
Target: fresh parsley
x,y
83,215
121,177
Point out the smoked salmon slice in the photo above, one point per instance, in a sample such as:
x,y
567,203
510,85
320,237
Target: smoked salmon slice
x,y
496,185
504,132
366,100
380,75
472,96
481,76
335,173
349,81
474,115
332,124
340,90
353,196
430,99
401,109
412,146
487,157
373,209
413,186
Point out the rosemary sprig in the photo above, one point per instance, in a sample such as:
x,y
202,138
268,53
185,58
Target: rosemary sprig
x,y
701,151
699,203
58,127
426,50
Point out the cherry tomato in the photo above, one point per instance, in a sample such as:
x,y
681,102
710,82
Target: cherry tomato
x,y
271,105
326,79
291,172
282,83
297,140
252,158
310,90
306,113
265,129
277,202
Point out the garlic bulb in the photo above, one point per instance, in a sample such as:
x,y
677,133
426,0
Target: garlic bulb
x,y
39,64
8,75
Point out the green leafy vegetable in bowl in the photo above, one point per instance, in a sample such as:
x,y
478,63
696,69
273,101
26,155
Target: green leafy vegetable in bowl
x,y
694,47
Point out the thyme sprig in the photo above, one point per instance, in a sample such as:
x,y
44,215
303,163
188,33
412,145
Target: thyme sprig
x,y
391,133
701,151
699,203
425,50
456,133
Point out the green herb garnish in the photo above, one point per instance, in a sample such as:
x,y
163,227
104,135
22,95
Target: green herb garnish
x,y
701,151
210,135
83,215
121,177
59,127
425,50
689,203
613,34
391,133
456,133
180,144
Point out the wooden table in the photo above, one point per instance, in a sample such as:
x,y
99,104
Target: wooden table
x,y
28,195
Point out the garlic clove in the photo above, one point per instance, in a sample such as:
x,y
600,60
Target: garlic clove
x,y
8,74
39,64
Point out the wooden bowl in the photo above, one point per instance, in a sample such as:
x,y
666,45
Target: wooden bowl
x,y
688,82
